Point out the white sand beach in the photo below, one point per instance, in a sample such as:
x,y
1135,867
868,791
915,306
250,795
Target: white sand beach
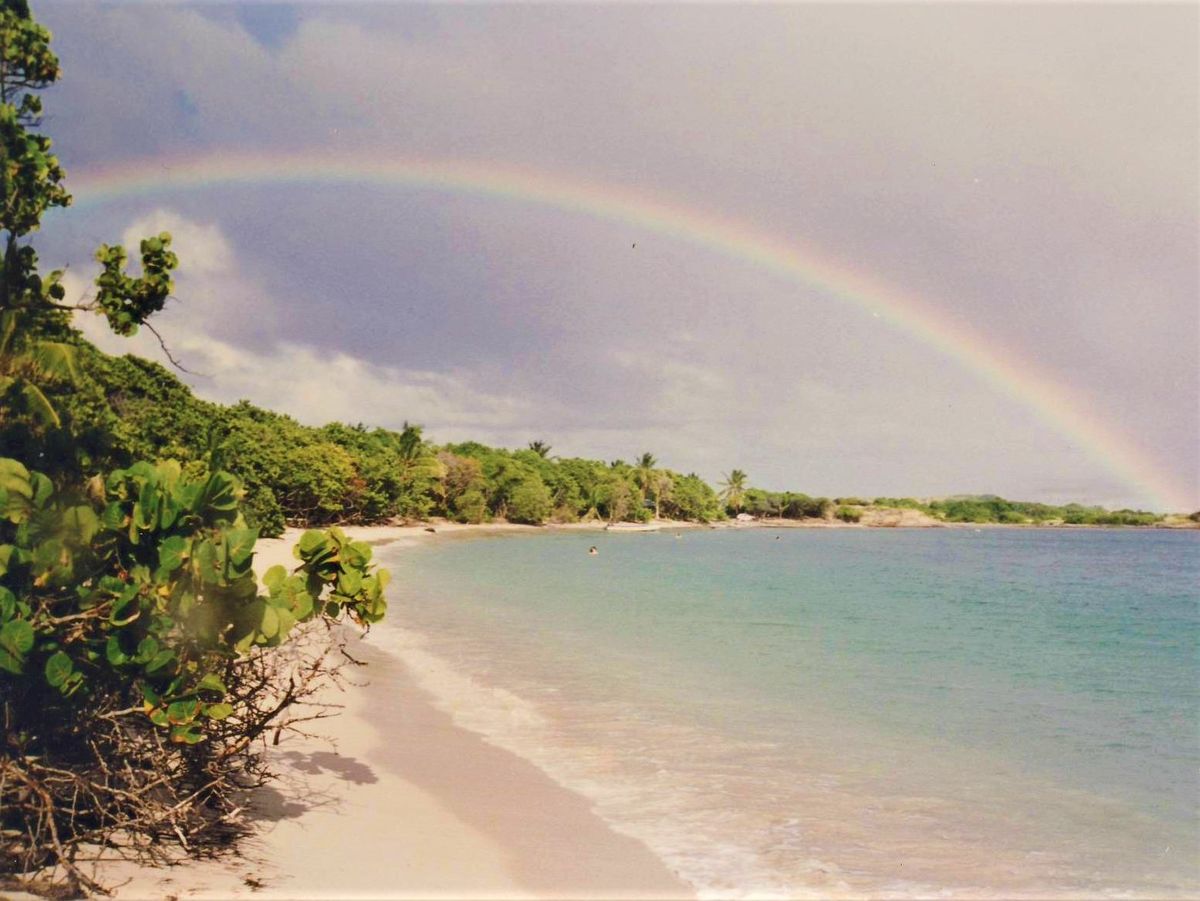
x,y
390,799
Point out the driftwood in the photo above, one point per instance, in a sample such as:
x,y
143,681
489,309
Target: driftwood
x,y
105,781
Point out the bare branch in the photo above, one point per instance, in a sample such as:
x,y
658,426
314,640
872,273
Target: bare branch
x,y
166,350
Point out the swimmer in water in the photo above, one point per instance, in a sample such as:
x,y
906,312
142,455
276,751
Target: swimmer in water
x,y
592,550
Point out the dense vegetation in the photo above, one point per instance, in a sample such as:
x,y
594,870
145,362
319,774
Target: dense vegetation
x,y
138,670
991,509
302,475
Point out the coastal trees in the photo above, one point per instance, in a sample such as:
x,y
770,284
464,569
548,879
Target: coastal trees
x,y
462,488
733,490
123,409
693,499
529,501
137,676
644,471
662,482
317,482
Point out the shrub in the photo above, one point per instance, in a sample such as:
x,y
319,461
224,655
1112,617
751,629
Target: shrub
x,y
529,501
470,506
134,673
137,671
317,483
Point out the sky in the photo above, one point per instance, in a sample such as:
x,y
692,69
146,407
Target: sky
x,y
1025,176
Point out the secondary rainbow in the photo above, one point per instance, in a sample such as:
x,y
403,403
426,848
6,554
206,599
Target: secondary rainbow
x,y
1000,368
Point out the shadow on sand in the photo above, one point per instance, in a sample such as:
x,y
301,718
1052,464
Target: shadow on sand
x,y
292,793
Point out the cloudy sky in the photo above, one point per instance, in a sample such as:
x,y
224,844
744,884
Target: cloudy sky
x,y
1028,173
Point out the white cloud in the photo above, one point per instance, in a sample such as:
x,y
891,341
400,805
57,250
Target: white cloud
x,y
201,245
1013,171
316,386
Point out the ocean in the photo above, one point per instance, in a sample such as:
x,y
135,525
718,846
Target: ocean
x,y
840,712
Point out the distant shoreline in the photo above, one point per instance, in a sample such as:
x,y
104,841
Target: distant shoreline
x,y
415,529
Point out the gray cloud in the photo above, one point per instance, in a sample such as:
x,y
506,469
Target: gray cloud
x,y
1030,173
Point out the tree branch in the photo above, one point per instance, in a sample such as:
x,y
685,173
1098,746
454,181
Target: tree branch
x,y
166,350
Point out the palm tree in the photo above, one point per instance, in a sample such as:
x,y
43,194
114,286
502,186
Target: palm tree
x,y
663,483
541,448
733,490
410,443
644,473
22,367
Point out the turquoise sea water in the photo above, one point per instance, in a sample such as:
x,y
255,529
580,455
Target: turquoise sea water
x,y
802,713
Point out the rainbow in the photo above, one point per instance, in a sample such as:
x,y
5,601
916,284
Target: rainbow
x,y
1001,369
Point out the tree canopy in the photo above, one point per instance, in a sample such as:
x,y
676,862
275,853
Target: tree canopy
x,y
137,672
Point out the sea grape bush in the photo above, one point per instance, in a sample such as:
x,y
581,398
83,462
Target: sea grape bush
x,y
128,301
140,661
143,590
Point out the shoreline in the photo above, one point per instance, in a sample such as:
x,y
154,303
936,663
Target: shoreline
x,y
393,800
390,799
417,531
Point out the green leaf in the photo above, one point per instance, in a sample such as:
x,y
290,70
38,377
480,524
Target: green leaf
x,y
171,551
183,711
211,682
81,523
274,578
40,404
42,489
58,669
219,495
270,622
350,582
17,635
240,545
16,638
113,517
188,735
292,595
204,559
14,480
113,652
358,554
121,615
218,711
310,543
286,621
159,660
146,649
145,511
